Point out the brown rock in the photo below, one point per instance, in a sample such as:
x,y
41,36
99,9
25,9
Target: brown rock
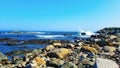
x,y
50,47
109,48
57,44
40,61
59,53
91,49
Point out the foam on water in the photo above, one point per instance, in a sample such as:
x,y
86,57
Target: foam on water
x,y
50,36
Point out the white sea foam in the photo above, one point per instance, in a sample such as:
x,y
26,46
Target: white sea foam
x,y
88,33
49,36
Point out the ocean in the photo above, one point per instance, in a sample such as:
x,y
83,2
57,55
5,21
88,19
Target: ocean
x,y
33,35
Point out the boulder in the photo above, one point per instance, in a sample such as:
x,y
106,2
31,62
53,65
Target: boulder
x,y
102,43
113,36
40,61
55,62
105,63
59,53
68,65
109,49
49,47
57,44
91,49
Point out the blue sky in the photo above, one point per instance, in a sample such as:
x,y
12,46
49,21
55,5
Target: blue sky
x,y
59,15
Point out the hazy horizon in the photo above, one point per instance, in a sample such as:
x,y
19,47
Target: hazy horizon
x,y
59,15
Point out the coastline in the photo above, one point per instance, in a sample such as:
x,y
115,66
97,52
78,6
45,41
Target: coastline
x,y
76,54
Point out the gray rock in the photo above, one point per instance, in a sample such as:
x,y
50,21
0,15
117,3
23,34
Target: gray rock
x,y
105,63
68,65
109,49
55,62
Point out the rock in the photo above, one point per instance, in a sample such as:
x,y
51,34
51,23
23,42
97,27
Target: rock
x,y
50,67
6,66
2,57
59,53
77,49
80,43
109,49
68,65
55,62
33,64
96,47
23,64
81,58
70,46
57,44
91,49
49,47
40,61
105,63
102,43
118,49
91,55
113,36
19,61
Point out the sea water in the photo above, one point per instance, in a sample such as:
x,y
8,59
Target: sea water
x,y
32,35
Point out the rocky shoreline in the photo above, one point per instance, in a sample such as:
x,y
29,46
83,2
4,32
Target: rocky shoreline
x,y
99,51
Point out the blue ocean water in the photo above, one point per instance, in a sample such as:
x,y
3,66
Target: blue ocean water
x,y
30,35
24,35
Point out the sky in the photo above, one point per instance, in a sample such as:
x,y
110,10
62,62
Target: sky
x,y
59,15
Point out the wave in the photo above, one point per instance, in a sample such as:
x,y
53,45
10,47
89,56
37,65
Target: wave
x,y
49,36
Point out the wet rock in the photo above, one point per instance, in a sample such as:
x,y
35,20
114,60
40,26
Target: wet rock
x,y
68,65
55,62
49,47
91,49
109,49
18,52
59,53
105,63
